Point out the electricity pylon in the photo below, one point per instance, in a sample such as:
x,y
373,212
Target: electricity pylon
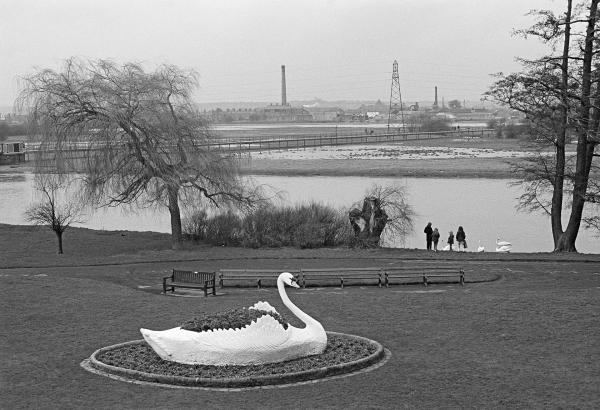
x,y
395,111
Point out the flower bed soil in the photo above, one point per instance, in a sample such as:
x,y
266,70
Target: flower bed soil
x,y
137,361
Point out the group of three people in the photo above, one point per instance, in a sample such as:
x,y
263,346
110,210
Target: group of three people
x,y
432,236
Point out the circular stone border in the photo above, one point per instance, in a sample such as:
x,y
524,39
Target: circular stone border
x,y
363,364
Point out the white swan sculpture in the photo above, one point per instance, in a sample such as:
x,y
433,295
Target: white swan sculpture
x,y
263,341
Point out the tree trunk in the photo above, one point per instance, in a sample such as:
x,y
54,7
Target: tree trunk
x,y
60,241
176,234
584,161
585,149
559,174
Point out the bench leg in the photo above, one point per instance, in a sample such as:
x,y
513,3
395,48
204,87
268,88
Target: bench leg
x,y
425,280
342,282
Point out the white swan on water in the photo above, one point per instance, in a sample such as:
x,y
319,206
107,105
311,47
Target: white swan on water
x,y
263,341
480,248
503,246
500,243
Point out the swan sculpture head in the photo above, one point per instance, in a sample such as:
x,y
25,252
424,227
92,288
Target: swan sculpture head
x,y
288,279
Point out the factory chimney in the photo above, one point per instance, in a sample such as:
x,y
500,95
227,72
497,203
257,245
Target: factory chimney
x,y
283,97
435,103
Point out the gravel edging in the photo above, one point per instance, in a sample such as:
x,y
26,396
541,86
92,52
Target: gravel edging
x,y
233,383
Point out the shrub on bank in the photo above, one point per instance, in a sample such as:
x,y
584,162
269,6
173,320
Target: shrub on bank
x,y
303,226
219,229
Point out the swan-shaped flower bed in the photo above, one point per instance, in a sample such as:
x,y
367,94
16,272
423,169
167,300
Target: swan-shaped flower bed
x,y
266,351
263,341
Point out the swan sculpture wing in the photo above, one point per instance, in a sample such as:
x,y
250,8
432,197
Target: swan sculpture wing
x,y
251,344
263,341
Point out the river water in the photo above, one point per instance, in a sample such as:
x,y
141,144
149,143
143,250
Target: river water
x,y
484,207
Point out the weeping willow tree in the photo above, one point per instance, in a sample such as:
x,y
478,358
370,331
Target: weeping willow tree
x,y
134,135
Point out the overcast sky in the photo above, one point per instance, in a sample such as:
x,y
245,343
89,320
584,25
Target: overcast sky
x,y
332,50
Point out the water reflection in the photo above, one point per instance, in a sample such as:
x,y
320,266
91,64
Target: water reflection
x,y
485,208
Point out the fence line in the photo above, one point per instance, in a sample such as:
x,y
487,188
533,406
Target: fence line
x,y
332,139
78,149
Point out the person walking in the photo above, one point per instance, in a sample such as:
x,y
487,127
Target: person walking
x,y
435,237
428,233
450,239
461,239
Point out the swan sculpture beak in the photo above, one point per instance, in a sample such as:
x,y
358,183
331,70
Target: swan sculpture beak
x,y
294,283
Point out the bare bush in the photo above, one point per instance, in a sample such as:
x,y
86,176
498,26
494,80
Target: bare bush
x,y
51,212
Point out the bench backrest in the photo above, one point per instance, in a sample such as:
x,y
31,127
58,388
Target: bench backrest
x,y
189,276
421,269
258,273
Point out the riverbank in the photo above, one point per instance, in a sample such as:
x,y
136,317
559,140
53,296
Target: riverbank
x,y
35,246
436,158
429,168
495,168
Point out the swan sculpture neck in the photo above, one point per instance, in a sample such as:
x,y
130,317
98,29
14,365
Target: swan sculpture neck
x,y
309,321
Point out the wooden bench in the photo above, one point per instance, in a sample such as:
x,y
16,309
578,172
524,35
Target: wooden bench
x,y
437,273
190,279
424,274
342,274
258,276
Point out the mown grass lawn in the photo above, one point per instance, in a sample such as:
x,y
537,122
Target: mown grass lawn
x,y
529,340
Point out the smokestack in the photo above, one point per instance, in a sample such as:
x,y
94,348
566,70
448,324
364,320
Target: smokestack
x,y
435,103
283,97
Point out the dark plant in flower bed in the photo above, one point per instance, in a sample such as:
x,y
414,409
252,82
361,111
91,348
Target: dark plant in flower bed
x,y
141,357
229,319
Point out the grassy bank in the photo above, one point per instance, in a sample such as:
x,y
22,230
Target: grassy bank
x,y
528,340
430,168
35,246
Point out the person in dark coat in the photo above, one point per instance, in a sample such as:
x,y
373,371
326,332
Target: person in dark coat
x,y
435,237
428,235
450,239
461,238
